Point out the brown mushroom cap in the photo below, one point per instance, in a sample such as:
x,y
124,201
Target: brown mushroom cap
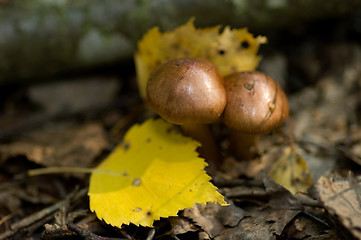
x,y
256,103
187,91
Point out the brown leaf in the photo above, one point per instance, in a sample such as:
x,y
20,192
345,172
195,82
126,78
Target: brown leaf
x,y
304,227
342,198
212,218
280,197
265,225
181,225
59,145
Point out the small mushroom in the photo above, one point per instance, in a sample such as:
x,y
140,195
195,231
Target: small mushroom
x,y
189,92
256,104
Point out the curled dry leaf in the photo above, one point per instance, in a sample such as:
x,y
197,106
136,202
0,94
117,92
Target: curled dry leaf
x,y
266,224
342,198
181,225
213,218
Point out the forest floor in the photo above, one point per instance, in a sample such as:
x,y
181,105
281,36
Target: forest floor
x,y
79,120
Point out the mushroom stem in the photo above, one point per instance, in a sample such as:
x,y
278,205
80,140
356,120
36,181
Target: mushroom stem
x,y
244,144
202,134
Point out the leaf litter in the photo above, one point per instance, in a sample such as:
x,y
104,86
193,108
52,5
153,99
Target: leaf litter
x,y
327,137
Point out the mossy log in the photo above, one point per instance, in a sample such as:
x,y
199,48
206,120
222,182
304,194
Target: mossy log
x,y
41,38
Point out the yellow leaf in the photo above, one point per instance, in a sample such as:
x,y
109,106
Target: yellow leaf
x,y
154,173
290,171
231,50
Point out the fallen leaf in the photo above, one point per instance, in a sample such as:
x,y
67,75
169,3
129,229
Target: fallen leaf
x,y
318,115
280,197
251,169
181,225
155,173
265,225
290,171
59,144
342,198
266,222
231,50
305,227
213,218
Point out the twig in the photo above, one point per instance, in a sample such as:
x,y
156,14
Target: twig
x,y
175,237
347,153
88,235
151,234
27,221
316,219
9,216
54,231
53,170
241,191
307,201
222,182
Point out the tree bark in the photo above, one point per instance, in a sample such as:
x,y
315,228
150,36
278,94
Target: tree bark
x,y
41,38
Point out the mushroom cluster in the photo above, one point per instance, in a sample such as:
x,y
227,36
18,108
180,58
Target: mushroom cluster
x,y
192,93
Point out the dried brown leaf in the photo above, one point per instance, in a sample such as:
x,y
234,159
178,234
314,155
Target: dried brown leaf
x,y
181,225
342,198
266,224
280,197
304,227
59,145
212,218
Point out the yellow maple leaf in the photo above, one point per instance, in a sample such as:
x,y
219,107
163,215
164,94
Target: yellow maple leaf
x,y
154,173
231,50
290,171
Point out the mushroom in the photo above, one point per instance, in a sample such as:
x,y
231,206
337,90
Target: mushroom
x,y
256,104
189,92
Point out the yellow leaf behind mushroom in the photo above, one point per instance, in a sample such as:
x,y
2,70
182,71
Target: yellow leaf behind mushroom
x,y
230,50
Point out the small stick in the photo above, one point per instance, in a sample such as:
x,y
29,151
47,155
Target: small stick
x,y
319,220
7,217
151,234
27,221
53,170
88,235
